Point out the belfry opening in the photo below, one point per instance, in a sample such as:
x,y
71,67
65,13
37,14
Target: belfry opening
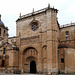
x,y
32,67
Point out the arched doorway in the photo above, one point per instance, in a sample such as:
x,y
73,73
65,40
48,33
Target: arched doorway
x,y
32,67
30,56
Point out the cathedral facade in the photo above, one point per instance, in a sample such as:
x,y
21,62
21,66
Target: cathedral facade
x,y
41,45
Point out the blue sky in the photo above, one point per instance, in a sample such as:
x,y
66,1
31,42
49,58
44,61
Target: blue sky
x,y
10,10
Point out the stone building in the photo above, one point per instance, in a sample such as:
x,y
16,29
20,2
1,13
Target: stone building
x,y
8,50
67,48
40,44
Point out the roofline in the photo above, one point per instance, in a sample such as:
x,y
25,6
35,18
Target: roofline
x,y
12,37
4,27
67,25
65,46
36,12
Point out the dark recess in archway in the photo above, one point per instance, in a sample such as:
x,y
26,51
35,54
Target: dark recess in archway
x,y
32,67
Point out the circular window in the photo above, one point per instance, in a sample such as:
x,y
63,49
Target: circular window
x,y
34,26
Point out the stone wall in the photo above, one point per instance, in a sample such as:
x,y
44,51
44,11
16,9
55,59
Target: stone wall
x,y
67,65
44,39
71,35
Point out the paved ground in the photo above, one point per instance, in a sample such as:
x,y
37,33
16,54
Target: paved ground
x,y
20,74
34,74
68,74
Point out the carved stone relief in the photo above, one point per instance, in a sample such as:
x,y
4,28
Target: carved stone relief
x,y
30,40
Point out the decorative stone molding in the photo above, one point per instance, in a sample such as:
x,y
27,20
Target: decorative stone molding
x,y
28,40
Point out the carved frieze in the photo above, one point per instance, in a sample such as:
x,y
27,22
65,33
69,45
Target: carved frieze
x,y
29,40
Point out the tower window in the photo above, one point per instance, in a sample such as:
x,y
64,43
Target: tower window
x,y
67,36
62,60
4,51
0,31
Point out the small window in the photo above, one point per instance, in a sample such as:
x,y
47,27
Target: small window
x,y
0,31
4,33
4,51
62,60
3,63
67,36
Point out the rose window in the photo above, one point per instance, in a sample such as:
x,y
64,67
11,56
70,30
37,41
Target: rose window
x,y
34,26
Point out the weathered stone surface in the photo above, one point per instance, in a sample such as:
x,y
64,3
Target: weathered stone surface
x,y
41,42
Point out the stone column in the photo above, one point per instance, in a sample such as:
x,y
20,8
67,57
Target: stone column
x,y
39,54
51,40
21,62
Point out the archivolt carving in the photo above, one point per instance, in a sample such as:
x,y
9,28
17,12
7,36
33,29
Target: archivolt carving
x,y
29,54
30,51
30,58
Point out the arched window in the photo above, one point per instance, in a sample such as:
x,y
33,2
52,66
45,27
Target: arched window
x,y
67,36
44,52
4,33
0,31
